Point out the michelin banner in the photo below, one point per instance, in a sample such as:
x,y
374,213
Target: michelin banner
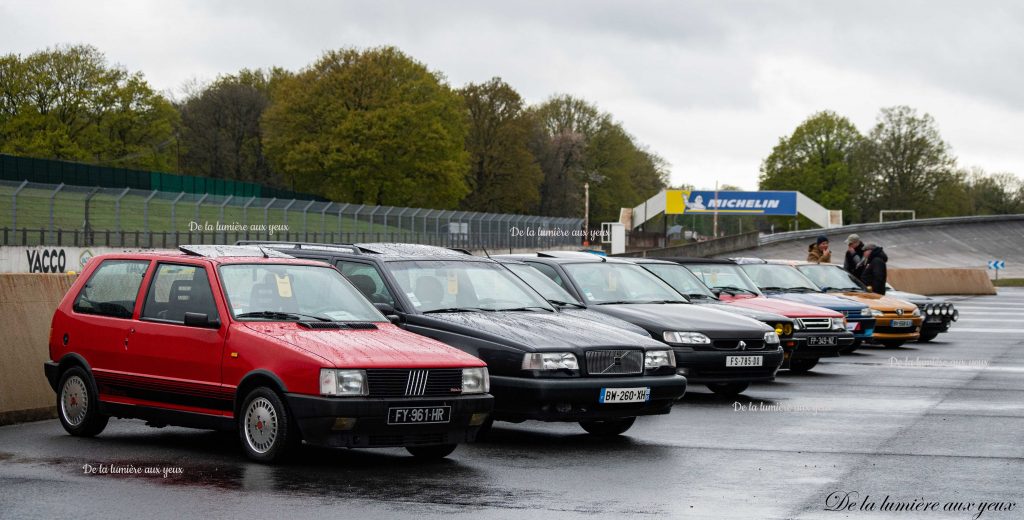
x,y
679,202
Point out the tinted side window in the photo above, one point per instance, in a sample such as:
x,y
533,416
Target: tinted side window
x,y
112,288
177,289
367,279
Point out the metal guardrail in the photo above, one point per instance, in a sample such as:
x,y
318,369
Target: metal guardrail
x,y
839,233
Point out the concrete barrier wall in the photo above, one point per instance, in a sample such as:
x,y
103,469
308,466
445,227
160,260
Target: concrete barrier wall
x,y
27,302
931,281
704,249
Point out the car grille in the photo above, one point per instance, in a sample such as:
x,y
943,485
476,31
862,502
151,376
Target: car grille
x,y
620,362
734,344
816,323
401,382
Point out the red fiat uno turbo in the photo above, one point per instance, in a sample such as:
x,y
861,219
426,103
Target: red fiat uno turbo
x,y
282,350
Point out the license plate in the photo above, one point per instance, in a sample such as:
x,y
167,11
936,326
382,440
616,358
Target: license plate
x,y
625,395
900,324
814,341
744,361
419,415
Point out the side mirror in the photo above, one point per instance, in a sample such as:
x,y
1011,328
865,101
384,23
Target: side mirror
x,y
389,312
716,291
199,319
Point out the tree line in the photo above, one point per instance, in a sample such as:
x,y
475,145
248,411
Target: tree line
x,y
369,126
901,163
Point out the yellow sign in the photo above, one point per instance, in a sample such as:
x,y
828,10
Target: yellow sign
x,y
284,286
675,202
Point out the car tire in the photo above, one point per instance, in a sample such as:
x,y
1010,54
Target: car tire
x,y
802,366
608,427
892,343
927,336
728,389
265,427
78,404
436,452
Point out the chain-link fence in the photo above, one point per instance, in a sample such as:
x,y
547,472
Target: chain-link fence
x,y
45,214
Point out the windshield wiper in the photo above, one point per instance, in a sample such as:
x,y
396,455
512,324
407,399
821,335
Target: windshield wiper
x,y
526,308
800,289
666,301
457,309
615,302
773,289
560,303
699,296
733,290
281,315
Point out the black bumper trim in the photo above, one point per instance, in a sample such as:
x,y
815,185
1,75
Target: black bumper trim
x,y
576,399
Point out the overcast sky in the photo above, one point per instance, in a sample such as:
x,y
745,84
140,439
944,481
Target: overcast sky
x,y
710,86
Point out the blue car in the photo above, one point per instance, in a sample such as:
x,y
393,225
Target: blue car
x,y
785,282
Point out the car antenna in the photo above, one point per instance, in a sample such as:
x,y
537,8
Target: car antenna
x,y
486,253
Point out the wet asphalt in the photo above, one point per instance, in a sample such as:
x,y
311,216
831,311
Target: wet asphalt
x,y
940,422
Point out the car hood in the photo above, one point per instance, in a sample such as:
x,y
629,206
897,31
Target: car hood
x,y
749,312
658,318
535,331
879,302
784,307
387,346
590,315
913,297
829,301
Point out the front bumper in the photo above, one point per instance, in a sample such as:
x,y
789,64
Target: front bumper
x,y
885,331
942,325
862,328
806,351
316,418
708,366
577,398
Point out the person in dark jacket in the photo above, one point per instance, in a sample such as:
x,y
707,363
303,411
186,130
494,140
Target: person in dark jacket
x,y
874,268
854,255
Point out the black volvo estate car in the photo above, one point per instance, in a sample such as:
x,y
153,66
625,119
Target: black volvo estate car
x,y
723,351
544,364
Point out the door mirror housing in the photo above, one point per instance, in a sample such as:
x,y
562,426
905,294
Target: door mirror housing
x,y
199,319
389,312
716,291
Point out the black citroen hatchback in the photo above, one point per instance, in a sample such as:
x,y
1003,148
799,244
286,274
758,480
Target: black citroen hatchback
x,y
544,364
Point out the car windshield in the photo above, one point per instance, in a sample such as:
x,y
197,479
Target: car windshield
x,y
460,285
547,287
830,278
778,277
608,282
292,292
681,279
727,277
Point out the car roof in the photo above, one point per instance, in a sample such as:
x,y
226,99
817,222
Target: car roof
x,y
642,260
695,260
566,257
748,260
388,251
218,255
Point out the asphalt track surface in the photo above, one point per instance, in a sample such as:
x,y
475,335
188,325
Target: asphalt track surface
x,y
939,422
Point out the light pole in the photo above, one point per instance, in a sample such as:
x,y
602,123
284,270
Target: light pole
x,y
586,213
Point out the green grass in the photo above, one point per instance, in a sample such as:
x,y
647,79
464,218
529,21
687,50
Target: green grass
x,y
69,214
1008,282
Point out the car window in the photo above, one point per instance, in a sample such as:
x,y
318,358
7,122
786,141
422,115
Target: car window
x,y
830,277
606,282
368,280
290,292
680,278
723,276
542,284
550,272
112,288
778,276
457,284
177,289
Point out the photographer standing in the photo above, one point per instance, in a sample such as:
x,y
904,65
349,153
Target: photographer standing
x,y
854,255
874,265
818,252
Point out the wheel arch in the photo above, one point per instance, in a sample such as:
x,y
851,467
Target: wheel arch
x,y
255,379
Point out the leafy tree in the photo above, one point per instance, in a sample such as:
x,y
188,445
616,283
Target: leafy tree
x,y
373,127
503,175
220,128
906,157
818,159
69,103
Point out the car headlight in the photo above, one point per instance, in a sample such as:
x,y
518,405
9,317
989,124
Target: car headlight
x,y
783,329
928,309
659,358
550,361
917,312
798,324
475,381
686,338
343,382
839,323
876,313
771,338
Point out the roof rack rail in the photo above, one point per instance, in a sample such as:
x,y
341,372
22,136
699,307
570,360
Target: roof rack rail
x,y
309,246
218,251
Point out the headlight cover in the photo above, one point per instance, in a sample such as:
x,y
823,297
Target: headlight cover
x,y
343,383
475,381
771,338
839,323
550,361
685,338
654,359
876,313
